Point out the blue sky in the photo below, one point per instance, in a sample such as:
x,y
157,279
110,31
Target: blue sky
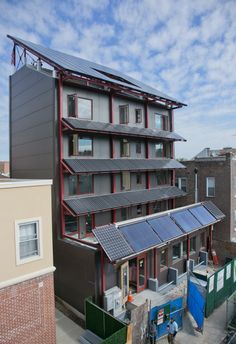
x,y
183,48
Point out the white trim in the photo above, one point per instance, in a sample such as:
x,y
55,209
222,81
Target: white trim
x,y
18,183
27,277
37,220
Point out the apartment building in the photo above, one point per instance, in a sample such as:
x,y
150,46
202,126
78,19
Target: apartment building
x,y
107,141
27,311
211,175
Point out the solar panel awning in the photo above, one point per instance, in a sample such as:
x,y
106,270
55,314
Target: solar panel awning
x,y
165,227
186,221
202,215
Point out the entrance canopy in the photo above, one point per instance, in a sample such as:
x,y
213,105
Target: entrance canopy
x,y
125,239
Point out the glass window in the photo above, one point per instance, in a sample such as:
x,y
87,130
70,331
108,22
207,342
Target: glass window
x,y
138,148
158,121
176,251
162,177
125,214
86,184
85,146
139,209
124,114
163,258
157,207
124,148
138,116
210,186
159,150
138,178
72,185
71,226
125,180
88,224
184,245
28,245
73,145
193,244
71,106
182,183
84,108
203,239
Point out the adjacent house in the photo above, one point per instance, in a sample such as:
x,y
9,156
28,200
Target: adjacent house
x,y
211,176
27,312
107,141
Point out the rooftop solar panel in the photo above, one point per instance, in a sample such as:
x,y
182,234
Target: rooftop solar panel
x,y
112,242
202,215
140,236
165,228
212,208
186,220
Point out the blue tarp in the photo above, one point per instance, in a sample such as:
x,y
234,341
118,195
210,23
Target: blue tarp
x,y
196,303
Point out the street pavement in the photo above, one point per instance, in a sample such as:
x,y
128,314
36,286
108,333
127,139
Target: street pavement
x,y
68,332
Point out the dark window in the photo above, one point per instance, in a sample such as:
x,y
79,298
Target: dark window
x,y
193,244
138,116
156,207
86,184
88,224
71,106
72,181
139,209
71,226
162,177
159,150
163,258
124,148
138,148
124,114
176,251
85,146
138,178
124,214
184,247
84,108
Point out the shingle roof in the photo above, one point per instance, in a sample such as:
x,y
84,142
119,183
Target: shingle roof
x,y
92,126
118,165
83,67
84,205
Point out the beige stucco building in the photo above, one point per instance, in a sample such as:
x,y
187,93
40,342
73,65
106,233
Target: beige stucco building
x,y
26,264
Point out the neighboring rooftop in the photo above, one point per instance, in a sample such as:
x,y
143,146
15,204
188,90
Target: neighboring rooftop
x,y
6,183
78,66
214,153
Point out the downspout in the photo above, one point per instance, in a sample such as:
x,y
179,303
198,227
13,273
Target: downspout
x,y
196,185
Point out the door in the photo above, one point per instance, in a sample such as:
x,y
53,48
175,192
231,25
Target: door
x,y
124,280
141,273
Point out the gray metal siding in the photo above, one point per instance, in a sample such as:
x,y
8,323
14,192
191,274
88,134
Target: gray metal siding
x,y
32,124
102,219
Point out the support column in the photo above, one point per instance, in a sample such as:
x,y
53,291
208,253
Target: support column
x,y
112,152
103,276
155,262
188,247
210,241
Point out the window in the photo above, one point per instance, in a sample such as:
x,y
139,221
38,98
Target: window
x,y
72,185
193,244
125,180
182,183
163,258
85,146
159,150
138,116
124,114
210,186
184,247
28,240
86,184
71,226
203,239
124,148
125,214
162,177
79,107
138,178
139,209
159,121
138,148
176,251
156,207
88,224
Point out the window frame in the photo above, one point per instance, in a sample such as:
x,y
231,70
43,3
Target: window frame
x,y
164,266
139,178
78,184
162,150
18,223
76,105
125,176
162,125
84,137
138,147
180,251
126,115
122,150
207,186
139,209
138,115
193,240
179,184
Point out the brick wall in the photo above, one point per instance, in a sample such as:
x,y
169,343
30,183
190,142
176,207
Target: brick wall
x,y
224,250
27,312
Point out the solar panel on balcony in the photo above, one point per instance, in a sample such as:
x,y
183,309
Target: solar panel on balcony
x,y
186,220
202,215
165,228
140,236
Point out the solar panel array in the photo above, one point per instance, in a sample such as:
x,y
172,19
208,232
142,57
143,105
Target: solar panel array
x,y
212,208
121,129
152,232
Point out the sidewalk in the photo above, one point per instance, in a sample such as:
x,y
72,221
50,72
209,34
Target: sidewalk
x,y
67,330
213,331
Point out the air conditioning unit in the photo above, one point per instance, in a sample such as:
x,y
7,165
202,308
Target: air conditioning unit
x,y
112,300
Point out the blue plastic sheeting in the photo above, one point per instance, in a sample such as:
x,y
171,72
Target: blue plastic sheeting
x,y
140,236
165,228
186,220
202,215
196,303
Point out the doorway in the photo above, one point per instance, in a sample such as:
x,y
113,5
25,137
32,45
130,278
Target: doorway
x,y
138,273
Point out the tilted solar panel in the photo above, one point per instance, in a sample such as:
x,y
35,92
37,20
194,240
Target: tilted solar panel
x,y
202,215
165,227
214,210
186,220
